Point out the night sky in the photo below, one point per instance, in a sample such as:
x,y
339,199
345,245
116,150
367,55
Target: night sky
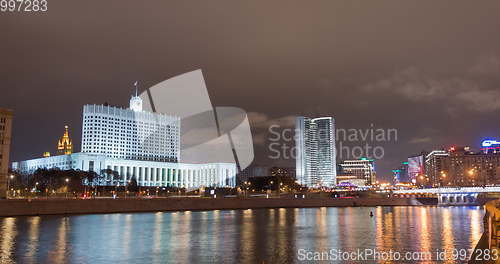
x,y
430,69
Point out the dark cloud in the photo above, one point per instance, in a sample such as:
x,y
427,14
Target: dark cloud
x,y
470,89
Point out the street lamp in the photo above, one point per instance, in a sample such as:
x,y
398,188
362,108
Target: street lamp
x,y
8,183
126,187
35,188
66,180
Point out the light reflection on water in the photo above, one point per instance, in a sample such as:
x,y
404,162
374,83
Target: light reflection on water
x,y
245,236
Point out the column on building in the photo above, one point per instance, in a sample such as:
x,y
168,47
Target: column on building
x,y
153,176
141,176
174,177
146,176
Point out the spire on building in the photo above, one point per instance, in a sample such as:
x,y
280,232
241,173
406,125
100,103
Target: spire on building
x,y
136,101
64,145
135,84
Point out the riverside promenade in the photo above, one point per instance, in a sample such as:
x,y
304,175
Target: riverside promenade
x,y
21,207
490,240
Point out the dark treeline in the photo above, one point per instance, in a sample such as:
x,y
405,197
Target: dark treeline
x,y
57,182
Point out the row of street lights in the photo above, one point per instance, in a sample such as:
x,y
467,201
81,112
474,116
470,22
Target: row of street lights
x,y
11,177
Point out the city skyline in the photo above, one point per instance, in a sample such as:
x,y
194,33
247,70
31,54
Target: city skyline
x,y
230,131
135,143
423,77
55,148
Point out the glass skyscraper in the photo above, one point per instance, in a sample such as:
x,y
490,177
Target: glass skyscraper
x,y
315,156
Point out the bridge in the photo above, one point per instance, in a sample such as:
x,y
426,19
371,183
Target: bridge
x,y
453,195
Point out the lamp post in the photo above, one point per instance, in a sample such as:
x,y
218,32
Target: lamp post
x,y
67,181
36,187
8,184
126,187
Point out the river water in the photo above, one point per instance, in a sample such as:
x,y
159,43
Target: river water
x,y
243,236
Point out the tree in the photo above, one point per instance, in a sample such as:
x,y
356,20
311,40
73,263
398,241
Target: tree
x,y
133,186
113,176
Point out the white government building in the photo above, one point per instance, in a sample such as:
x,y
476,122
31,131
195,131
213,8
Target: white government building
x,y
135,143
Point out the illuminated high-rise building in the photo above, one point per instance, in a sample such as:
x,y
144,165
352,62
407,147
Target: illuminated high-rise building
x,y
131,134
435,167
315,156
464,167
5,138
363,169
64,145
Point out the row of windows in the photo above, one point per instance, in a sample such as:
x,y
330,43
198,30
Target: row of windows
x,y
130,127
88,119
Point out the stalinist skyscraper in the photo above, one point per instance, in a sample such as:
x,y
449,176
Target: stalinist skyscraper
x,y
64,145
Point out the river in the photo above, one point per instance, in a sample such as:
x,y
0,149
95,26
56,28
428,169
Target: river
x,y
241,236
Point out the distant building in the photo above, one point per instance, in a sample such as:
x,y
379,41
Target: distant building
x,y
396,176
464,167
404,172
64,145
252,171
416,169
363,169
435,167
350,180
263,171
400,174
5,139
134,143
283,172
315,156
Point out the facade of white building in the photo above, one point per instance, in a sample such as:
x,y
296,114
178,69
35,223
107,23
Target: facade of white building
x,y
316,153
131,135
135,143
147,173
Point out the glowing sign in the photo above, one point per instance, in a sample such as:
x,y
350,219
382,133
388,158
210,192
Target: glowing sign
x,y
489,143
415,166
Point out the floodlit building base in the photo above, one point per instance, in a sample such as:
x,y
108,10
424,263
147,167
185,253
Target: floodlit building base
x,y
147,173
